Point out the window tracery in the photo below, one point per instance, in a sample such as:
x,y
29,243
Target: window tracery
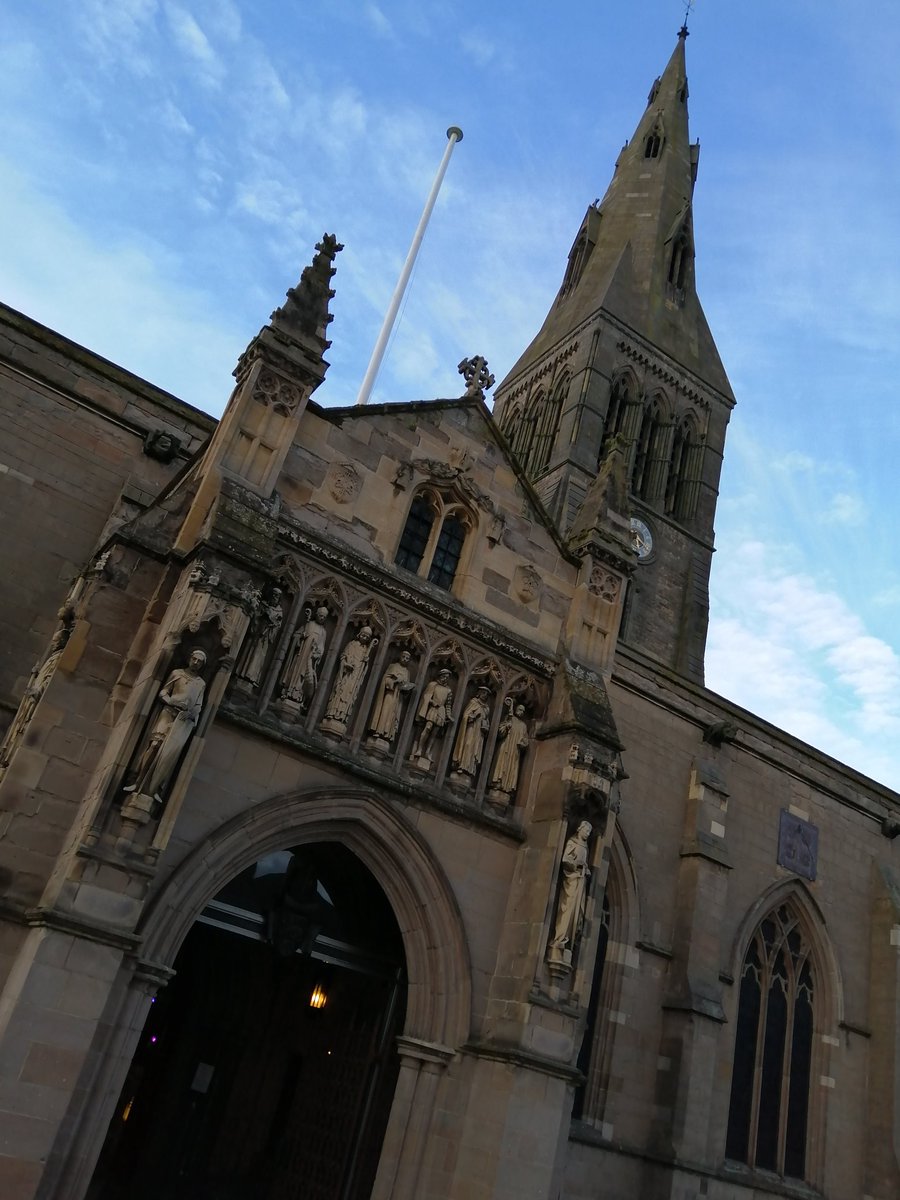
x,y
684,470
433,537
769,1106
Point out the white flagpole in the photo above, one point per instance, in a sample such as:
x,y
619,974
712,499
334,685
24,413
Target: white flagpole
x,y
454,135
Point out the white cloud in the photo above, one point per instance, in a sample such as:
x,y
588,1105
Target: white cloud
x,y
115,297
194,44
787,645
846,509
378,21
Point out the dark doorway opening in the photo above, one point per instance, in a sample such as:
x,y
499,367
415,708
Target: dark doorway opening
x,y
267,1067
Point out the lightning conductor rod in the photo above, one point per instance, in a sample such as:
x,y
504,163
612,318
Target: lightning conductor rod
x,y
454,135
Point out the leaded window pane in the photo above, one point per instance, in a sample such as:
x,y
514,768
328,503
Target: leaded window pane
x,y
447,552
416,534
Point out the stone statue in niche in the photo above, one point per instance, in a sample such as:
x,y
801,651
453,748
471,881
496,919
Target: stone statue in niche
x,y
307,648
37,685
473,729
181,698
388,707
263,630
512,741
354,663
570,906
435,712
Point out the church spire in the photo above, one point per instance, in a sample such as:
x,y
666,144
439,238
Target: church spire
x,y
626,350
634,252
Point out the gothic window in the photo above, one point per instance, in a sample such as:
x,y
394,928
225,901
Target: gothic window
x,y
433,538
546,427
416,533
649,447
652,144
447,552
678,264
767,1118
590,1049
684,471
525,432
619,399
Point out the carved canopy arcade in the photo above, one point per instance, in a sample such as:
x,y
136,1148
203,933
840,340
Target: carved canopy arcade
x,y
346,656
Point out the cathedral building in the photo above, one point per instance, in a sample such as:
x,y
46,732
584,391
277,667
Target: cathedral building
x,y
366,827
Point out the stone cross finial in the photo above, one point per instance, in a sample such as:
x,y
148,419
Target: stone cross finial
x,y
477,376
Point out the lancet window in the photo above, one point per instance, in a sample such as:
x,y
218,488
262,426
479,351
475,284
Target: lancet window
x,y
678,264
769,1108
652,144
619,399
433,537
649,450
684,470
592,1047
546,427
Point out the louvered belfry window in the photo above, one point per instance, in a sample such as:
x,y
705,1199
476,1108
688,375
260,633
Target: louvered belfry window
x,y
768,1113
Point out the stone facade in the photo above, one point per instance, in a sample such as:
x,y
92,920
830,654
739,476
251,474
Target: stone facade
x,y
466,649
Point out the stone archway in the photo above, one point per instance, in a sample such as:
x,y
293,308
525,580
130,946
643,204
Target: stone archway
x,y
437,963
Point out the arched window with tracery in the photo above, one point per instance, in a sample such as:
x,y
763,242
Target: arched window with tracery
x,y
434,537
620,396
547,418
770,1085
526,430
649,451
652,144
684,470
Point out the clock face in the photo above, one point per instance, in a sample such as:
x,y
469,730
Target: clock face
x,y
642,538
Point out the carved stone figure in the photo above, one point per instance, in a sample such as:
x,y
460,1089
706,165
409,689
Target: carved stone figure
x,y
512,740
574,875
473,728
37,685
395,683
351,672
527,583
181,697
263,629
345,482
161,445
435,711
307,647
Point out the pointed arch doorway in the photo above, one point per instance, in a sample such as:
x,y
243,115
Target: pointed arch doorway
x,y
267,1067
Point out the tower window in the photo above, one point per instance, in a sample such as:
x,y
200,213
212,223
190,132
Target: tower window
x,y
433,537
649,453
652,144
685,463
619,399
767,1117
678,265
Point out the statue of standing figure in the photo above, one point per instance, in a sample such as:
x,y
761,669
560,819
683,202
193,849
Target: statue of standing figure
x,y
395,683
351,672
435,711
512,740
181,697
570,909
264,628
473,729
37,685
307,647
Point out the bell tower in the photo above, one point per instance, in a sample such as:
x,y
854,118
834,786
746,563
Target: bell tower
x,y
625,351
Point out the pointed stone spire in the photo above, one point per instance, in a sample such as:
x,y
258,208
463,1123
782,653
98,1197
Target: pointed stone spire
x,y
633,256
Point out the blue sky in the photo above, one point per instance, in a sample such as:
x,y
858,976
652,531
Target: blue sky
x,y
167,166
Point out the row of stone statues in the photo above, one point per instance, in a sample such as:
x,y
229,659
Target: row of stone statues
x,y
300,680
